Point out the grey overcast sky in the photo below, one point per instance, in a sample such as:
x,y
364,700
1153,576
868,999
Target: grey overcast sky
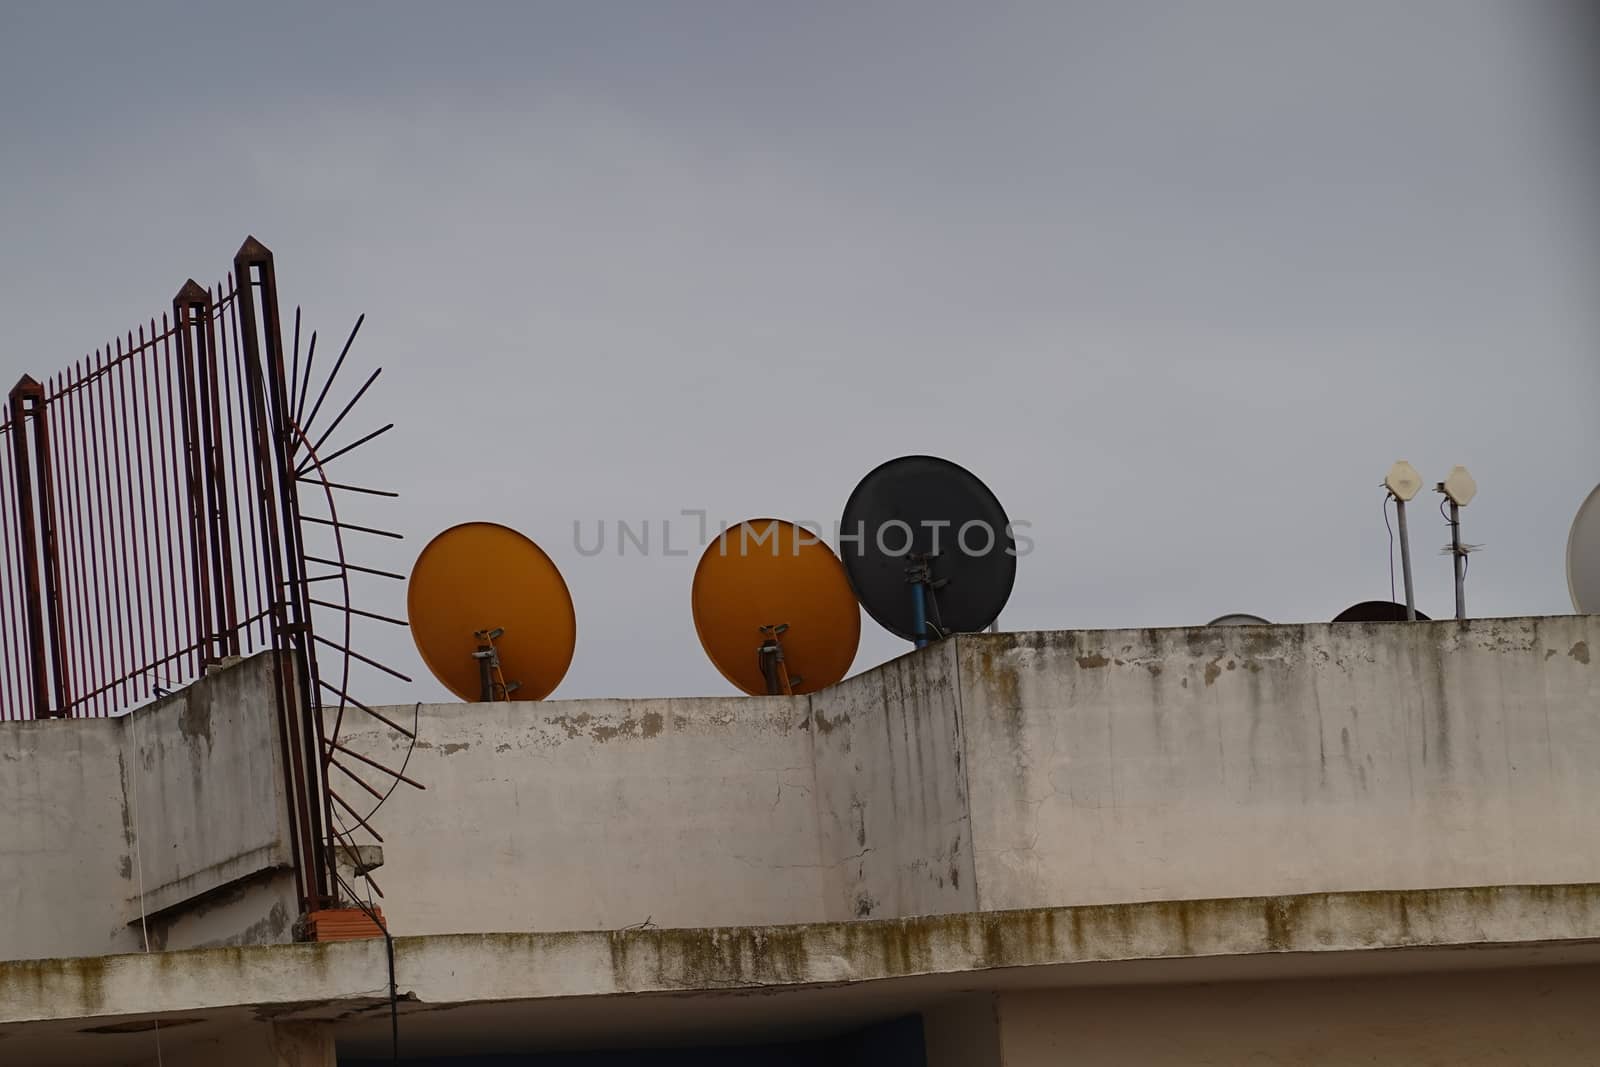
x,y
1179,280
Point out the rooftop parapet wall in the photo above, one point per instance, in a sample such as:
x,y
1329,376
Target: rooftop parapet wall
x,y
989,772
998,771
892,790
579,814
1127,765
591,814
184,795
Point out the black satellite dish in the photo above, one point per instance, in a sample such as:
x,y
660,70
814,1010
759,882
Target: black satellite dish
x,y
1375,611
928,548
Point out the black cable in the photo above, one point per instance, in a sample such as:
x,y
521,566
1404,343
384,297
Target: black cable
x,y
368,909
937,621
370,912
1386,526
394,998
1466,558
416,718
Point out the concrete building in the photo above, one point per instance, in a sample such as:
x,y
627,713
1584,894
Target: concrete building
x,y
1359,843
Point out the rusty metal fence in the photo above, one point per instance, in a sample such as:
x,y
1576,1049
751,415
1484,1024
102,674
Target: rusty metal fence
x,y
150,528
133,499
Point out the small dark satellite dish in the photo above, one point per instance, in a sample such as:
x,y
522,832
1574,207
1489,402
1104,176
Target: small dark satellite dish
x,y
1239,619
928,548
1376,611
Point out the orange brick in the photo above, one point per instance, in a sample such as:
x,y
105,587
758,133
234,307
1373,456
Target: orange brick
x,y
344,924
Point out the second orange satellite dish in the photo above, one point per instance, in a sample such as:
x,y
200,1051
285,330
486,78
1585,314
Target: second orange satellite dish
x,y
774,609
491,615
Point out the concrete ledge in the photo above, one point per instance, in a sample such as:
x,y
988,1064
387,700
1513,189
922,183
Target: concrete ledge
x,y
329,980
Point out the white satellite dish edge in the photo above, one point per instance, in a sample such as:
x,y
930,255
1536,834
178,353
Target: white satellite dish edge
x,y
1583,556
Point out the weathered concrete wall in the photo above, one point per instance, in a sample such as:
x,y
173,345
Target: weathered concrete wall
x,y
66,836
989,772
892,791
1230,761
1102,766
688,812
209,795
186,792
1277,938
259,909
1545,1016
597,813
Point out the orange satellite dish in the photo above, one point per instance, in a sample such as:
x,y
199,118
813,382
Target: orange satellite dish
x,y
491,614
774,609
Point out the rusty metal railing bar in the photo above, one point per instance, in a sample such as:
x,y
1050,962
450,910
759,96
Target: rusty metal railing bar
x,y
225,363
346,409
170,576
294,559
196,312
196,437
100,535
161,618
109,520
352,488
356,567
40,522
344,588
374,763
141,501
68,521
220,484
28,548
354,814
353,702
176,514
11,603
156,605
129,569
305,385
150,555
310,420
74,406
309,866
358,611
258,542
353,776
352,446
294,370
320,521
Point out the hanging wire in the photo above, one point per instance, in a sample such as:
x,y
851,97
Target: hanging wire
x,y
1386,498
138,857
369,908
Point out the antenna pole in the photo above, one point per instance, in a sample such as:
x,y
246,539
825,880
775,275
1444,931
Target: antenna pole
x,y
1405,559
773,667
919,612
492,685
485,673
1460,559
919,574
